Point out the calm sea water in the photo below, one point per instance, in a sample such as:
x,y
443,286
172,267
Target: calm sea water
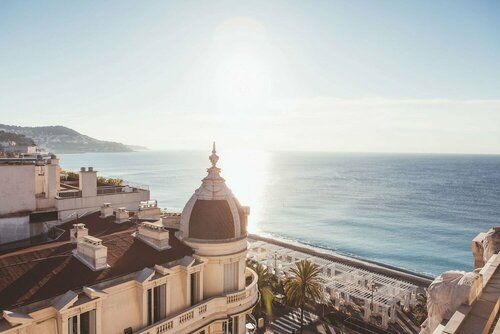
x,y
418,212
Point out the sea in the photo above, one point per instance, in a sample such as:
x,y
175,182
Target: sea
x,y
414,211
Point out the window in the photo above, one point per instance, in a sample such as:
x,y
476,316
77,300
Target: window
x,y
230,326
82,323
231,277
156,304
195,284
227,326
73,325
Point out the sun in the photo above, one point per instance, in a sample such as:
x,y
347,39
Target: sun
x,y
241,71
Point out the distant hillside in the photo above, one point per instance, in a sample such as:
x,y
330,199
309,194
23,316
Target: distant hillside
x,y
60,139
17,139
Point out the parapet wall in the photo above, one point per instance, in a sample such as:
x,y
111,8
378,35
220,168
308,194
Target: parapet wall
x,y
17,189
68,206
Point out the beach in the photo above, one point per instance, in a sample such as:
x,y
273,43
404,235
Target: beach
x,y
420,280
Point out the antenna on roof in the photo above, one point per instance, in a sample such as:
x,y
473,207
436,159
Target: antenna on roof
x,y
77,215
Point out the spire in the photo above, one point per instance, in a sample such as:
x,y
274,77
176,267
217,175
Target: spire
x,y
214,157
214,171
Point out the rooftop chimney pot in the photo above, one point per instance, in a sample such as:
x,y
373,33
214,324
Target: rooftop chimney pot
x,y
91,252
78,232
122,215
153,234
106,210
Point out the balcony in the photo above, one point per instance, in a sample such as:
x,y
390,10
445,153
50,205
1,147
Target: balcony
x,y
209,310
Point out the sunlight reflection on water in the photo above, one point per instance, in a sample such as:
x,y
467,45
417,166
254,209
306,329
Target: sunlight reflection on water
x,y
246,174
414,211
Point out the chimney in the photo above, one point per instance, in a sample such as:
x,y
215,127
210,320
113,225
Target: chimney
x,y
149,210
171,219
91,253
88,182
106,210
153,234
53,160
78,232
52,177
122,216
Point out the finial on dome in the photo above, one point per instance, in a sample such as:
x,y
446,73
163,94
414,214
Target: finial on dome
x,y
214,157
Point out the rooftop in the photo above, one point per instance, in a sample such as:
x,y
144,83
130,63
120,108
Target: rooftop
x,y
39,272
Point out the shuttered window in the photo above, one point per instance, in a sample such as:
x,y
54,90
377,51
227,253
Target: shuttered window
x,y
230,277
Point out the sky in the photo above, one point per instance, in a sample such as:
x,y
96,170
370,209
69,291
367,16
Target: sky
x,y
356,76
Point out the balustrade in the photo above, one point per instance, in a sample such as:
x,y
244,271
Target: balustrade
x,y
216,305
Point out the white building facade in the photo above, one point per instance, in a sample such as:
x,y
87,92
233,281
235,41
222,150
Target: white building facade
x,y
32,196
142,276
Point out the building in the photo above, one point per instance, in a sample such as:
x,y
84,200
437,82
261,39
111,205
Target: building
x,y
468,303
33,196
113,274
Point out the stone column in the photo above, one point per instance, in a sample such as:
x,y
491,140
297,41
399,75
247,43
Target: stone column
x,y
201,285
62,324
98,317
241,323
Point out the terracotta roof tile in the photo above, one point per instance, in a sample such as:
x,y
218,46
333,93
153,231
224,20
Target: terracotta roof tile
x,y
211,220
44,271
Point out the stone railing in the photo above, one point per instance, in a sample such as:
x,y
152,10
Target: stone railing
x,y
208,310
109,190
69,194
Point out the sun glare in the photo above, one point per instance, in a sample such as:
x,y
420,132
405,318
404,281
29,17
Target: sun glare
x,y
246,173
240,58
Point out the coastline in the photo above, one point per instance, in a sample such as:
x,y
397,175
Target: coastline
x,y
421,280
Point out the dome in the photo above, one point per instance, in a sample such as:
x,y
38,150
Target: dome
x,y
213,212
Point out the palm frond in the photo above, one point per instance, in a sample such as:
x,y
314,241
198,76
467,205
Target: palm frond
x,y
304,285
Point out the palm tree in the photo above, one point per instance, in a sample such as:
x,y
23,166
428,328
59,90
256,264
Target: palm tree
x,y
265,282
303,287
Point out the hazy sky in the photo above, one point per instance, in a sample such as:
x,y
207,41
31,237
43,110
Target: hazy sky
x,y
398,76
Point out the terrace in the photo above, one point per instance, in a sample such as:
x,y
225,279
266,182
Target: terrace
x,y
213,308
372,293
69,190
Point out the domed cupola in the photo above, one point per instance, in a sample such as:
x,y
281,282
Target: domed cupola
x,y
213,213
